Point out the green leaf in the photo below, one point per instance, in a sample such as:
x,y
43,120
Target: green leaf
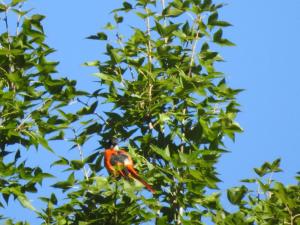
x,y
173,12
88,109
236,194
159,29
16,2
65,185
264,187
282,193
76,164
218,39
218,35
106,77
44,143
99,36
53,199
25,202
165,153
248,180
92,63
3,8
4,51
62,161
221,23
275,166
118,19
109,26
212,18
127,6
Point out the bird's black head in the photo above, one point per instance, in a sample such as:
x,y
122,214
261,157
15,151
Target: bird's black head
x,y
113,142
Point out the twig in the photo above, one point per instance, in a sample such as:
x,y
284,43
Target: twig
x,y
294,218
81,156
115,203
163,4
149,53
82,160
11,67
149,40
194,47
163,8
19,18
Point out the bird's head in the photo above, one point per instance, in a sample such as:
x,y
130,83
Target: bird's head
x,y
113,143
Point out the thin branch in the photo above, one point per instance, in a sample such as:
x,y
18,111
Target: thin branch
x,y
194,46
11,67
81,156
149,48
163,4
290,213
82,160
269,193
294,218
115,203
149,53
19,18
165,23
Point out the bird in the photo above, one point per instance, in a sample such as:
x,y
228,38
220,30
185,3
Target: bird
x,y
119,162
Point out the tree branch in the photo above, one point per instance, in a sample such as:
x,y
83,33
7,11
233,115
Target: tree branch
x,y
194,45
149,48
19,19
85,173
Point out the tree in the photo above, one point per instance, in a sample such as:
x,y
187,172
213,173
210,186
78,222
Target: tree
x,y
32,102
171,108
271,203
168,105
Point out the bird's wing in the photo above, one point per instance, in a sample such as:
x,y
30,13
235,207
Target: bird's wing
x,y
118,159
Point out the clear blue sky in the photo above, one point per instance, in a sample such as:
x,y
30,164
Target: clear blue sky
x,y
265,63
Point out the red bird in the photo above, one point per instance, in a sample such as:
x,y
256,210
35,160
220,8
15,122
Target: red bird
x,y
119,162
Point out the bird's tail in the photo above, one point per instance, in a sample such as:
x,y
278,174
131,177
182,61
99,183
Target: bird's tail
x,y
136,176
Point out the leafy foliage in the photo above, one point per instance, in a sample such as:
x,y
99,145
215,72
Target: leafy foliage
x,y
169,104
30,102
160,94
271,203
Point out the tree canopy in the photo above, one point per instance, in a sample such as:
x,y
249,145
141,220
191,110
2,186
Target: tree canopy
x,y
160,93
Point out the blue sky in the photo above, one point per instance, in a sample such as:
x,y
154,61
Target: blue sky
x,y
265,63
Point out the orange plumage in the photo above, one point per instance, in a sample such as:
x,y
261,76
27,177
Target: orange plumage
x,y
119,162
